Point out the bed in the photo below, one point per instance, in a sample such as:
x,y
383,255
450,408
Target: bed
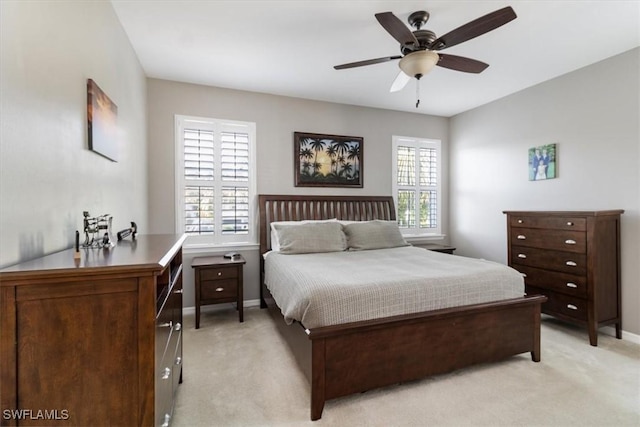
x,y
356,354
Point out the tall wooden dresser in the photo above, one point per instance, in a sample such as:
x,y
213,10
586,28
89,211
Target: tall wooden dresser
x,y
573,258
94,341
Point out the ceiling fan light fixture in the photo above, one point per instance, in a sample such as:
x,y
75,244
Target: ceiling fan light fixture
x,y
419,63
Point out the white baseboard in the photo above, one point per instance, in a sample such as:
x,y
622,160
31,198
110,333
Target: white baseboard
x,y
627,336
217,307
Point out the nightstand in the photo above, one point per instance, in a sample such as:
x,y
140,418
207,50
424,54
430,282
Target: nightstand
x,y
437,248
218,280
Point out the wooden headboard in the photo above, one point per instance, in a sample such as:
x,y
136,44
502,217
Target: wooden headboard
x,y
278,207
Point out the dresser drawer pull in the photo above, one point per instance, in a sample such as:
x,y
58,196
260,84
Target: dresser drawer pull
x,y
520,221
570,242
571,263
177,327
168,324
522,256
167,419
178,360
522,237
219,273
219,289
166,374
179,291
571,285
572,307
570,223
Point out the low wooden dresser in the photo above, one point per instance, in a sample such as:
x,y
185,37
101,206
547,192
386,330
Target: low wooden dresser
x,y
219,280
93,341
573,258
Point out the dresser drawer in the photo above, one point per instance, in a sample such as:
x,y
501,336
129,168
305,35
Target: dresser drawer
x,y
218,289
569,284
560,304
561,240
556,223
218,273
566,262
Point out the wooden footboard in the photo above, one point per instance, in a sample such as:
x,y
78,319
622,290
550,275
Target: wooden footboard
x,y
409,347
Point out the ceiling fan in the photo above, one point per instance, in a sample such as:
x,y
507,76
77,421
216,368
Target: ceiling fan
x,y
419,47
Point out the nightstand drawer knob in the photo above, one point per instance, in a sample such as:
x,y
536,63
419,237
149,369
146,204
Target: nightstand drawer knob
x,y
177,327
219,273
168,324
521,237
571,285
520,221
179,291
569,223
219,289
178,360
570,242
572,307
522,256
524,274
571,263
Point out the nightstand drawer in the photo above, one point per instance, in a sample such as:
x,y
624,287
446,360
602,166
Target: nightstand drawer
x,y
218,273
559,304
218,289
569,284
565,262
556,223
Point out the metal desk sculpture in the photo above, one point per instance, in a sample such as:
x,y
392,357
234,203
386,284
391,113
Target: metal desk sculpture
x,y
97,231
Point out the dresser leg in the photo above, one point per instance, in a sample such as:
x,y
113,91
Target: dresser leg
x,y
197,316
593,335
619,330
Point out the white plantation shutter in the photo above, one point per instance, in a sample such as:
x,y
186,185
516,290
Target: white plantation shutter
x,y
416,185
214,180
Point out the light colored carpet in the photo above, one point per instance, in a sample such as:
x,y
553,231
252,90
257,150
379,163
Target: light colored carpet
x,y
242,374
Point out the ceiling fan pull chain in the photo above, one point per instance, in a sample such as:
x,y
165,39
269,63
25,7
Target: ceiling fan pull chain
x,y
417,92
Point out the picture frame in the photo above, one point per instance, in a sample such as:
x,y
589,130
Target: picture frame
x,y
328,160
543,162
102,127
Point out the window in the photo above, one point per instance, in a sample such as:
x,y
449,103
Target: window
x,y
416,174
215,182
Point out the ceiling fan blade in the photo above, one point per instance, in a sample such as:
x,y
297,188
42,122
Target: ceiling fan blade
x,y
474,28
460,63
396,28
367,62
400,82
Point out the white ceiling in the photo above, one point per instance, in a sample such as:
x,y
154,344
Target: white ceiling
x,y
290,47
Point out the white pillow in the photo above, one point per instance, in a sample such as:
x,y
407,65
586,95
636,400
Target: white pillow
x,y
275,241
375,234
309,238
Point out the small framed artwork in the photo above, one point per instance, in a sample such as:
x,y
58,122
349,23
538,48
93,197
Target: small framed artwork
x,y
101,121
327,160
543,162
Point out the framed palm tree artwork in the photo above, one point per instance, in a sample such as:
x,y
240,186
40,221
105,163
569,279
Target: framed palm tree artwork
x,y
327,160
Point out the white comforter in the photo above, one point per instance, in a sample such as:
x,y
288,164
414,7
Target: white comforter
x,y
339,287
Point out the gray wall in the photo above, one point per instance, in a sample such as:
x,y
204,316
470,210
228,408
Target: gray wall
x,y
48,175
276,119
592,114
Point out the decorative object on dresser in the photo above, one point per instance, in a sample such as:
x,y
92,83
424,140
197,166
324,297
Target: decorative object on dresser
x,y
573,258
327,160
447,249
219,280
99,338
